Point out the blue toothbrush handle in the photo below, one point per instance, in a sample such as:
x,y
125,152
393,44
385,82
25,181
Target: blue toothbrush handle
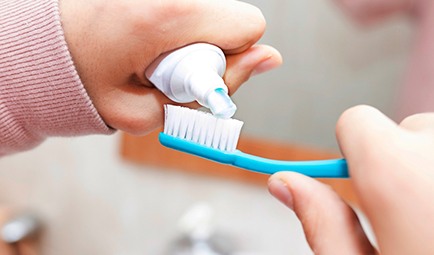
x,y
331,168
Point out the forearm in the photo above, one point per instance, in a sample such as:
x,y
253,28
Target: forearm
x,y
41,93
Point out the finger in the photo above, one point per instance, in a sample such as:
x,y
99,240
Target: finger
x,y
242,23
256,60
330,225
232,25
419,122
133,109
357,129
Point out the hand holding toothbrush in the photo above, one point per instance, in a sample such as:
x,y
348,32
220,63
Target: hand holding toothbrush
x,y
392,168
113,42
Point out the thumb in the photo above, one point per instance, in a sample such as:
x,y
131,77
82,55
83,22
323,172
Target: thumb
x,y
255,60
363,133
330,225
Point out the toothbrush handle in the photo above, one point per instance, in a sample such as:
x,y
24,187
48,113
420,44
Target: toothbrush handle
x,y
331,168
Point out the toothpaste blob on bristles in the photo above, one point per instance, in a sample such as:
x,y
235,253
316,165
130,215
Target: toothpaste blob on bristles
x,y
202,128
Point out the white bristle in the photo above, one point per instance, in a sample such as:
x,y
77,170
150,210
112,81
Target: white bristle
x,y
210,129
217,133
223,145
202,127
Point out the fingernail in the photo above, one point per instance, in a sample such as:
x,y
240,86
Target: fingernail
x,y
266,65
281,191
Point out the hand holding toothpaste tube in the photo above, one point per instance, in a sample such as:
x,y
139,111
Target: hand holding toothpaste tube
x,y
113,42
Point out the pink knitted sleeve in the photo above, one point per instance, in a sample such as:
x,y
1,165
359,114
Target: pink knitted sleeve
x,y
41,94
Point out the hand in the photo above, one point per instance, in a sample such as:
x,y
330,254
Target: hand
x,y
113,42
369,11
392,169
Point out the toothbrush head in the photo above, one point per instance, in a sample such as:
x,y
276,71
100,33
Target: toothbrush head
x,y
202,128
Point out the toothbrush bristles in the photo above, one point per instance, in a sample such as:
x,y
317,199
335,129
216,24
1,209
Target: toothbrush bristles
x,y
202,127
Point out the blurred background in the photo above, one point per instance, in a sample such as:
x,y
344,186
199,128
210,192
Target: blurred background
x,y
90,200
330,64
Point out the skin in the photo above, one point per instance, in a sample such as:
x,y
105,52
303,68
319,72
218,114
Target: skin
x,y
391,166
113,42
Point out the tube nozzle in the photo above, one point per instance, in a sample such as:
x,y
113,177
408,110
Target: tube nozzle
x,y
221,104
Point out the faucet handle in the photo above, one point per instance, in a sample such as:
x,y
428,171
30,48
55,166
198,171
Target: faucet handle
x,y
20,227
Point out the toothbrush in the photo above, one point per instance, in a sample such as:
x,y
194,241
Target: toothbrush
x,y
204,135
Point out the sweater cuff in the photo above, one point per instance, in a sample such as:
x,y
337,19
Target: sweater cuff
x,y
41,94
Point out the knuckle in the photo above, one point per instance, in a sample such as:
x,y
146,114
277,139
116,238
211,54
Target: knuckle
x,y
255,23
245,24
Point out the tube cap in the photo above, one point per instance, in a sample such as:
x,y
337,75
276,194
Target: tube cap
x,y
221,104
